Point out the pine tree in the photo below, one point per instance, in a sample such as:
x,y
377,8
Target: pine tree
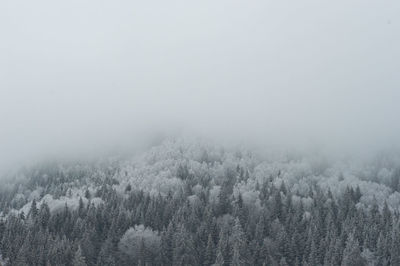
x,y
79,259
210,251
313,257
81,208
395,246
44,214
106,254
184,251
87,194
352,253
219,260
223,252
167,245
382,249
33,210
239,245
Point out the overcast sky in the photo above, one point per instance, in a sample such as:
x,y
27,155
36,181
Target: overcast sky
x,y
98,73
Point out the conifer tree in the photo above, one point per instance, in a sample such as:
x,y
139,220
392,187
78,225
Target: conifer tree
x,y
210,251
352,253
79,259
239,245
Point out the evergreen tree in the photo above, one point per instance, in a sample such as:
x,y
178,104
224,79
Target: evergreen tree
x,y
79,259
395,246
210,251
239,245
184,251
223,250
33,210
352,253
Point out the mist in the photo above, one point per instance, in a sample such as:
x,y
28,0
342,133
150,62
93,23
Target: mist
x,y
87,76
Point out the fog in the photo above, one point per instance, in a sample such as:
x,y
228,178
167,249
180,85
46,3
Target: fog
x,y
87,76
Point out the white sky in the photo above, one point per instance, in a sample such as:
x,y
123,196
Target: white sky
x,y
96,73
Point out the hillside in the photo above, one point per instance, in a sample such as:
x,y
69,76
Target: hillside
x,y
192,202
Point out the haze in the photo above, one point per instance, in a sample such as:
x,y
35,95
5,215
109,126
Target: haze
x,y
90,75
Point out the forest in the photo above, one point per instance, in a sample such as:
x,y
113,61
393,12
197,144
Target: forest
x,y
186,202
210,133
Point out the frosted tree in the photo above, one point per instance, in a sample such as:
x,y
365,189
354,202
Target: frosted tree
x,y
184,251
139,240
223,253
210,251
239,245
395,246
79,259
352,253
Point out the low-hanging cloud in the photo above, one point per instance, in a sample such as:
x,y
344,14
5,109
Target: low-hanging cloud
x,y
79,75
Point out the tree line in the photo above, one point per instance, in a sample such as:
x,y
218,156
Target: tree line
x,y
188,228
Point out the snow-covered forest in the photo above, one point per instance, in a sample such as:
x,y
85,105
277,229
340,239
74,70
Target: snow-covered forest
x,y
185,133
192,202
